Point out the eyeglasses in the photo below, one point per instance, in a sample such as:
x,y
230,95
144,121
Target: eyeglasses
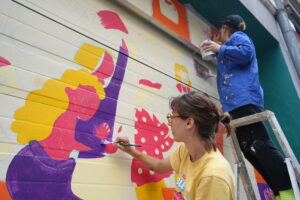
x,y
170,117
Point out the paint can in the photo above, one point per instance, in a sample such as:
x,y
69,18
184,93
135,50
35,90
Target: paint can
x,y
206,55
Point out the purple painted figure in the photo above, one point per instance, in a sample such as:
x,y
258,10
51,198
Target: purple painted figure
x,y
34,174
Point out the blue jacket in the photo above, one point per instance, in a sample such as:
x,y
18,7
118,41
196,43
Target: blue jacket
x,y
237,77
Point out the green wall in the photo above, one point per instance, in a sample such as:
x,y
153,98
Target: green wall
x,y
280,94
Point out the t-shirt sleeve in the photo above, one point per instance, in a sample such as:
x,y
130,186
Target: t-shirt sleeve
x,y
175,158
213,188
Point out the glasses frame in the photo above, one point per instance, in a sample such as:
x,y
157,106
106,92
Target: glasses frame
x,y
171,116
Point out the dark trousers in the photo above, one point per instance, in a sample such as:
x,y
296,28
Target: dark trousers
x,y
260,151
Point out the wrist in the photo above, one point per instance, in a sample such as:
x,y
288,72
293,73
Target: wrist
x,y
134,153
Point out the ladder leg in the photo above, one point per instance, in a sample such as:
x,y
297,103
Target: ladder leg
x,y
293,179
236,172
243,170
285,145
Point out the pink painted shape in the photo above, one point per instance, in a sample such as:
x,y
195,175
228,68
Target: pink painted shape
x,y
103,131
120,129
106,68
4,62
150,84
110,148
111,20
179,87
83,103
124,46
182,88
169,2
156,142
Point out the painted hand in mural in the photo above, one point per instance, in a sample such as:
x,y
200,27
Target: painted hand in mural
x,y
85,130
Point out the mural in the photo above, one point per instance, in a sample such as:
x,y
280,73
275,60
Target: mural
x,y
149,89
68,119
153,135
265,191
180,72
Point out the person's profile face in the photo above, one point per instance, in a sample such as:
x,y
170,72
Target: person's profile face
x,y
223,33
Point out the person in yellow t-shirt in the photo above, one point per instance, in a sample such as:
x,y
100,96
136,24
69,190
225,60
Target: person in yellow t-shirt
x,y
203,173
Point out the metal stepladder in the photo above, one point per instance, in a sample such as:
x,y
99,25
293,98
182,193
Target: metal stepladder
x,y
240,166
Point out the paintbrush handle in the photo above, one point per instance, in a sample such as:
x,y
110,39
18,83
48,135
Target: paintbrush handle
x,y
127,144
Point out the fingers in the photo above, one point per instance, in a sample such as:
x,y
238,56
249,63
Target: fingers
x,y
122,139
205,44
216,37
206,48
126,149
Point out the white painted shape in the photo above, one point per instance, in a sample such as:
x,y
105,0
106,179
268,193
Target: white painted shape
x,y
200,31
5,7
169,11
11,104
3,21
6,134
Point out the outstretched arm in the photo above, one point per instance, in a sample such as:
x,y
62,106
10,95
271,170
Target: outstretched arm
x,y
154,164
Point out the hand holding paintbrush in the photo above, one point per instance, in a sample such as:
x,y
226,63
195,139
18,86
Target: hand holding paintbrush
x,y
123,144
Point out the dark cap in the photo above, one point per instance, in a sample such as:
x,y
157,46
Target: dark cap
x,y
233,21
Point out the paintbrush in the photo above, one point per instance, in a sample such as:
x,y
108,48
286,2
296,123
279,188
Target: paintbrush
x,y
121,143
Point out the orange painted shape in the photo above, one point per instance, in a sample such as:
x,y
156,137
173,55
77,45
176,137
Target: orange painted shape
x,y
168,193
219,138
259,178
4,195
182,27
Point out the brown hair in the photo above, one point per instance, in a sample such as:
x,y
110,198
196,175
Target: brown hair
x,y
241,27
205,113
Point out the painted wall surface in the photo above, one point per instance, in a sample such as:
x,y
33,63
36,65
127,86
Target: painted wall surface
x,y
76,74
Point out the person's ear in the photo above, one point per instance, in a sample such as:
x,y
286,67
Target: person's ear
x,y
190,122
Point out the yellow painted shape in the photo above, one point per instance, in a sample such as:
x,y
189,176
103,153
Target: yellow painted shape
x,y
133,49
8,80
178,69
144,93
103,178
88,55
150,191
6,150
34,121
149,38
176,52
38,81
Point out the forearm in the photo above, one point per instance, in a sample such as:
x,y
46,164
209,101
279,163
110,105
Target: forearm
x,y
152,163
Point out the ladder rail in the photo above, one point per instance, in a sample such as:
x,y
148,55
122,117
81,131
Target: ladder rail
x,y
270,116
291,160
285,145
293,179
242,171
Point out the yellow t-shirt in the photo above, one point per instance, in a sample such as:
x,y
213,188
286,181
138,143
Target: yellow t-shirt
x,y
209,178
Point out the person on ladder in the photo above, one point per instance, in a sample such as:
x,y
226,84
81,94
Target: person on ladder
x,y
241,95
